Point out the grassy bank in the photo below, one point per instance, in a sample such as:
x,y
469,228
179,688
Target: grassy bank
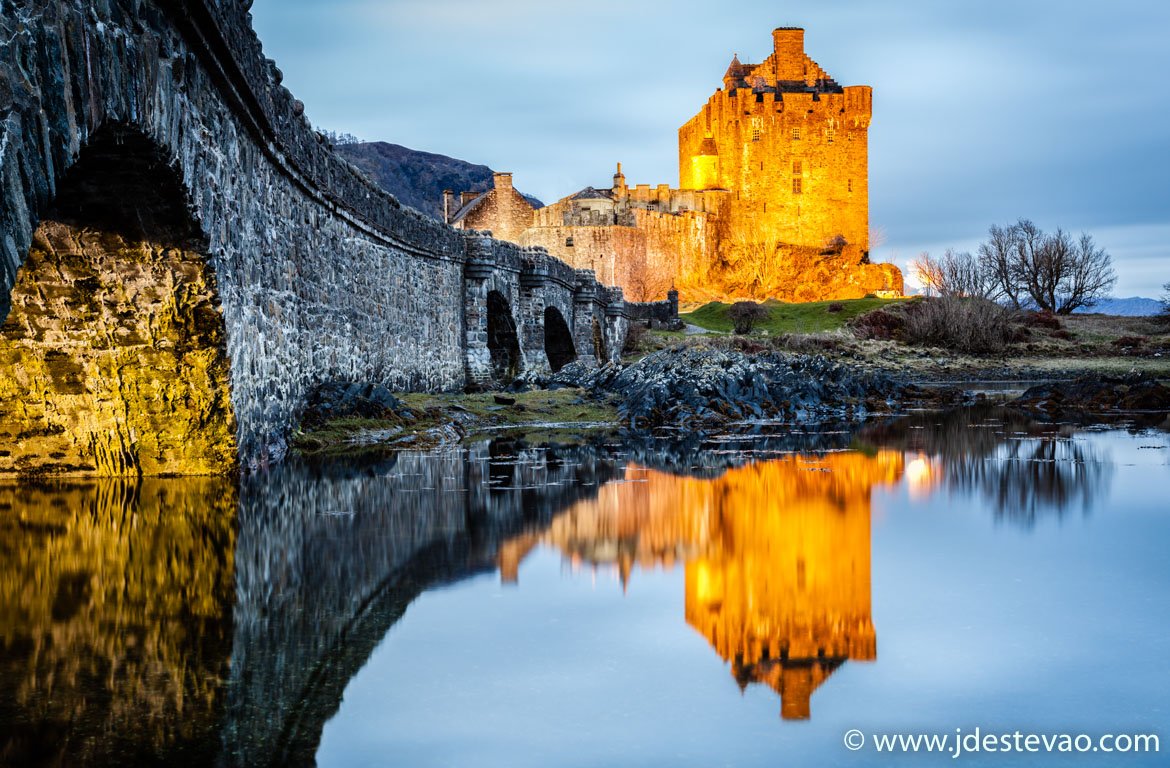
x,y
430,420
813,317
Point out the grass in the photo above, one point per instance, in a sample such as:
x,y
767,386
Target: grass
x,y
539,411
812,317
556,406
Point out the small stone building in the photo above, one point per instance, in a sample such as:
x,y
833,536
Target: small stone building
x,y
502,210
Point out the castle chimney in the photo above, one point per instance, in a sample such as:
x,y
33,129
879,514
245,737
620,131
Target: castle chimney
x,y
502,180
788,45
448,205
619,180
467,197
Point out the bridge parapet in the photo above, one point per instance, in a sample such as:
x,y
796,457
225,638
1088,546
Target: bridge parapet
x,y
314,273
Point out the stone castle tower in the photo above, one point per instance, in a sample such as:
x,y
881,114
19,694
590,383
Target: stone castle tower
x,y
773,197
789,144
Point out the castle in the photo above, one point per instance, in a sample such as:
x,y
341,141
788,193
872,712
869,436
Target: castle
x,y
773,197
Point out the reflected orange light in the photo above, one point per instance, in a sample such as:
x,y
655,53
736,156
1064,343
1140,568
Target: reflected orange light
x,y
777,558
920,477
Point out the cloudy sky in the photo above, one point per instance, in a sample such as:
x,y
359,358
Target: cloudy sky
x,y
984,112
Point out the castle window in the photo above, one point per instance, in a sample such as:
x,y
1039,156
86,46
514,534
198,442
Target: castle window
x,y
755,134
830,134
850,185
568,242
797,168
796,133
796,186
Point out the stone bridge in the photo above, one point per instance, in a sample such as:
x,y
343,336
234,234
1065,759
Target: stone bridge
x,y
183,258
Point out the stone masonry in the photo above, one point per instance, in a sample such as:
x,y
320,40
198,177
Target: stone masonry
x,y
258,265
773,197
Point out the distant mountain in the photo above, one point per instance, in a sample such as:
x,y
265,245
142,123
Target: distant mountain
x,y
1134,306
417,178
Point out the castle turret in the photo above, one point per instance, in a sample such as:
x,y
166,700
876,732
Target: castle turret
x,y
734,73
705,165
619,182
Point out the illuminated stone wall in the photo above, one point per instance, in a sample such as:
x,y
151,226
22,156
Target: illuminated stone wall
x,y
791,148
115,342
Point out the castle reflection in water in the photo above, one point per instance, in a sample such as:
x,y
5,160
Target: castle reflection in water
x,y
210,622
776,553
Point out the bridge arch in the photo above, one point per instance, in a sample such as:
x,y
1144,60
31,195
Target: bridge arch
x,y
503,340
558,340
114,340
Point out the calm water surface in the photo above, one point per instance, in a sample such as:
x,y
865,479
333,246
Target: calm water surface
x,y
739,602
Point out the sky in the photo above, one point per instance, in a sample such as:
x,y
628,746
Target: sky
x,y
984,112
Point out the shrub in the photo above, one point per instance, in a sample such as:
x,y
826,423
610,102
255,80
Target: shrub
x,y
959,324
1046,320
880,324
835,307
807,343
745,314
1129,345
634,338
749,347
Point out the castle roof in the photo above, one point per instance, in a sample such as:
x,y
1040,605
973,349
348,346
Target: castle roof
x,y
735,69
470,206
590,193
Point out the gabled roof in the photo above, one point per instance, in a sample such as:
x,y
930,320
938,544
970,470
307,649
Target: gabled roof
x,y
589,193
471,205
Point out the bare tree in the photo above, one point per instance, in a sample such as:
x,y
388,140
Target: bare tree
x,y
1055,272
644,283
1166,301
998,255
1087,278
753,262
954,274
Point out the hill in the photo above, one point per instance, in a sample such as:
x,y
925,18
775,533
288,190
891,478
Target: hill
x,y
417,178
1134,306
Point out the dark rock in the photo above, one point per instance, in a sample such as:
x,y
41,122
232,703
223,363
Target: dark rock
x,y
1098,394
363,400
693,387
501,400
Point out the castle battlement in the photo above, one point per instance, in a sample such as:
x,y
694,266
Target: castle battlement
x,y
772,199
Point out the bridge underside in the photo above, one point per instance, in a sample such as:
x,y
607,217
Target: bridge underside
x,y
115,348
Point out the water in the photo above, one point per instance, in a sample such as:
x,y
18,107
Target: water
x,y
740,602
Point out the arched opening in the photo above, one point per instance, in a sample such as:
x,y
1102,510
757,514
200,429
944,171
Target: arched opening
x,y
114,352
600,350
503,343
558,340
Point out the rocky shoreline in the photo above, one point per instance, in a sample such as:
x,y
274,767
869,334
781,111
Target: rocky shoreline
x,y
701,389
